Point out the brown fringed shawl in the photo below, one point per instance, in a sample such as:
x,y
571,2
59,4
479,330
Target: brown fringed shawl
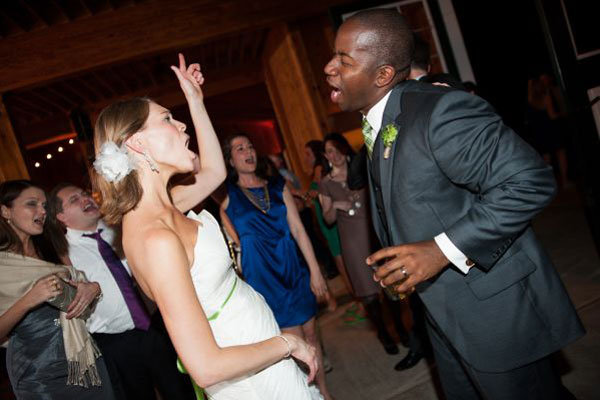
x,y
18,274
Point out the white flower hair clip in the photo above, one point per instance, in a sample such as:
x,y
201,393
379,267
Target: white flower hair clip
x,y
113,162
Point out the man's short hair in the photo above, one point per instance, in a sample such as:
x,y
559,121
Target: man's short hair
x,y
54,203
421,57
55,228
394,43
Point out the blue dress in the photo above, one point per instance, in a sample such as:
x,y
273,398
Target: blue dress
x,y
271,261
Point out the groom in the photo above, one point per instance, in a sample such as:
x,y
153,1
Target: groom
x,y
454,191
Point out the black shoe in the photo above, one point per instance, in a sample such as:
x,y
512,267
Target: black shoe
x,y
388,343
404,340
411,359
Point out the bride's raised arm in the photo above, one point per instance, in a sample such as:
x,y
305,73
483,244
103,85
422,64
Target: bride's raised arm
x,y
188,327
211,172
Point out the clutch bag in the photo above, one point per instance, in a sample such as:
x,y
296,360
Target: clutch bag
x,y
63,300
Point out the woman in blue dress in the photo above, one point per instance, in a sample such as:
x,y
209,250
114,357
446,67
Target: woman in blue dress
x,y
271,234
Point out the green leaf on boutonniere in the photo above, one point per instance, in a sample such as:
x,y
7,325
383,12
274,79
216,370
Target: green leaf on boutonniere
x,y
390,132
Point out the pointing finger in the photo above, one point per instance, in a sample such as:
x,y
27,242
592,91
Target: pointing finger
x,y
177,72
181,62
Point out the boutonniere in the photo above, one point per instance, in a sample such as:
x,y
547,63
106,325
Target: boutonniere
x,y
389,133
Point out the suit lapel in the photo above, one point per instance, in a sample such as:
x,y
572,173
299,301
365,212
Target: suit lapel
x,y
391,115
380,229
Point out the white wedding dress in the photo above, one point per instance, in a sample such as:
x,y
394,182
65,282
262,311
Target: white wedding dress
x,y
244,318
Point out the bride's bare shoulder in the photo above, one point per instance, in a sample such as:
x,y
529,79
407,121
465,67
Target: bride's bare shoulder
x,y
144,240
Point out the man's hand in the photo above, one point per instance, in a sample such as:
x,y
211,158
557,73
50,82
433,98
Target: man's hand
x,y
86,293
407,265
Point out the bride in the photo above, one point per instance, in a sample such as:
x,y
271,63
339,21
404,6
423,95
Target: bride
x,y
224,333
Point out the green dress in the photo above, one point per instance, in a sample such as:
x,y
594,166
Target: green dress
x,y
330,232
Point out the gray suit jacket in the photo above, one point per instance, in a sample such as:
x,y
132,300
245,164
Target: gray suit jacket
x,y
456,168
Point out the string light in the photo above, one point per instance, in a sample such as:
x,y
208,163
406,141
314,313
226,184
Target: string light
x,y
71,141
48,156
37,164
60,149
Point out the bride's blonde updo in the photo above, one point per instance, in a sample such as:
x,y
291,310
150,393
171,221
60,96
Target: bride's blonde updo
x,y
117,123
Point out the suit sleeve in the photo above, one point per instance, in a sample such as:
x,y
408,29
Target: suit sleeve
x,y
509,180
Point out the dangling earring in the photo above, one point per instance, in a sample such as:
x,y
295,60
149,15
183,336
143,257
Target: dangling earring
x,y
150,162
347,158
330,164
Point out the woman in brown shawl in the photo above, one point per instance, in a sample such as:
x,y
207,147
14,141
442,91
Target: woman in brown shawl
x,y
50,353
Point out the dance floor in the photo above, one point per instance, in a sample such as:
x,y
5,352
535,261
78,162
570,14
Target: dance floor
x,y
362,370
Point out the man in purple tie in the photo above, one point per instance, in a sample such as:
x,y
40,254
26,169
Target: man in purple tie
x,y
138,355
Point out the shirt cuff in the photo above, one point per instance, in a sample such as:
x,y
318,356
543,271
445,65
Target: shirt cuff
x,y
452,253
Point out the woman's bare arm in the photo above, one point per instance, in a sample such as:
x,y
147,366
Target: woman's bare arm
x,y
166,274
317,282
44,289
228,226
210,172
329,213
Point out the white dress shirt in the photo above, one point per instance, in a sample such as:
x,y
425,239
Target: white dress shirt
x,y
111,314
452,253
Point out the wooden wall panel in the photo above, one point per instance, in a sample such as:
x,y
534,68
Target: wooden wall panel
x,y
294,94
12,165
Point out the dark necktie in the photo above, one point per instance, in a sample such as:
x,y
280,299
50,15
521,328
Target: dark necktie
x,y
138,312
367,131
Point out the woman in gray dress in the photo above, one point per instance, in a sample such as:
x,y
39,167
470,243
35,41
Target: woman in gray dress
x,y
349,208
50,353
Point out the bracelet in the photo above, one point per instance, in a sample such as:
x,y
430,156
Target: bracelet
x,y
289,353
99,295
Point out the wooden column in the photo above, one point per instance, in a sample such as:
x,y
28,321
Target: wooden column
x,y
12,165
294,94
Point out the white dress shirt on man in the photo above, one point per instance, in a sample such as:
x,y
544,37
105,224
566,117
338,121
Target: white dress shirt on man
x,y
452,253
111,314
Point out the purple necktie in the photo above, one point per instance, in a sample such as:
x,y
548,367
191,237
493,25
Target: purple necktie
x,y
138,312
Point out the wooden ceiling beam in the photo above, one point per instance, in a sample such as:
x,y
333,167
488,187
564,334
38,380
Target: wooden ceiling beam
x,y
52,97
19,15
146,73
52,106
36,13
89,88
85,7
77,93
18,113
41,129
27,103
61,9
132,32
169,94
115,74
105,85
57,92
